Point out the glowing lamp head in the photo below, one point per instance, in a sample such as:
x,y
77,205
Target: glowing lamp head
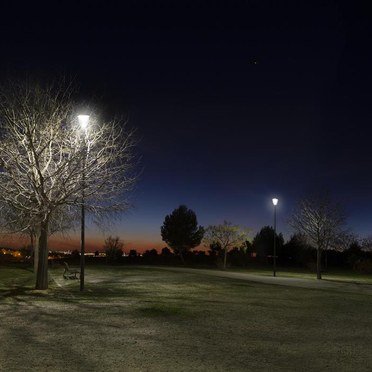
x,y
83,121
275,201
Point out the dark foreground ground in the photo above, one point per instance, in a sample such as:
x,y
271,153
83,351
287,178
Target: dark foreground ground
x,y
149,319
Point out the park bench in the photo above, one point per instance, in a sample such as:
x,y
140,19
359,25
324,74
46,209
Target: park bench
x,y
70,273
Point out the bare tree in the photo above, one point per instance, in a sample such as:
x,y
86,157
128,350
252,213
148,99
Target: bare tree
x,y
366,243
47,161
113,248
227,236
322,222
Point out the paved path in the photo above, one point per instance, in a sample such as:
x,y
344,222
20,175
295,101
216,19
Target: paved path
x,y
278,280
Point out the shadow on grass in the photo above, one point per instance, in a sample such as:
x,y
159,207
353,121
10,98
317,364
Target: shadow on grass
x,y
355,283
20,290
165,310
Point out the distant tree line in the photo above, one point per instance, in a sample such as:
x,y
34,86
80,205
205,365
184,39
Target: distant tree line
x,y
321,241
293,253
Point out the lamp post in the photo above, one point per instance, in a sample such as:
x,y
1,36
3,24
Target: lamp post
x,y
275,202
83,121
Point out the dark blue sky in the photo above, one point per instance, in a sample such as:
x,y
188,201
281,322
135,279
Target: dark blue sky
x,y
235,104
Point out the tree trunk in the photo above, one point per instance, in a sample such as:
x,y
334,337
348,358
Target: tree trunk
x,y
42,270
225,259
319,263
35,247
181,257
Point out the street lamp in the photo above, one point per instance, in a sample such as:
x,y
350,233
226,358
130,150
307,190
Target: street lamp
x,y
83,121
275,202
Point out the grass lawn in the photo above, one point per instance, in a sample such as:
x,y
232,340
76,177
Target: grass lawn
x,y
339,275
145,319
13,277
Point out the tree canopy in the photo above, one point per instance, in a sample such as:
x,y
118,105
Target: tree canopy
x,y
262,243
180,230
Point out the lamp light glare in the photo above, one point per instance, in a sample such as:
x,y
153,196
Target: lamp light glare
x,y
83,120
275,201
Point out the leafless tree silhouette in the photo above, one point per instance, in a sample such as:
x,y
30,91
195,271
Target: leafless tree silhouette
x,y
322,222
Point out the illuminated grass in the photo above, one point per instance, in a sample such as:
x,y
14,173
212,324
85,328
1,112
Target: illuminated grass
x,y
155,320
331,274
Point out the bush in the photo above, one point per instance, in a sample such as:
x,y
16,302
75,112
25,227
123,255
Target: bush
x,y
363,266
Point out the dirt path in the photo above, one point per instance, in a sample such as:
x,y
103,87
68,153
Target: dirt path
x,y
291,282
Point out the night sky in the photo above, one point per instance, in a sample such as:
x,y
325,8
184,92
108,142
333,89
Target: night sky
x,y
234,104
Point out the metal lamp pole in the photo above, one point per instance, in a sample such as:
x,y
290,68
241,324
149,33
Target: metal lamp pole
x,y
275,202
83,120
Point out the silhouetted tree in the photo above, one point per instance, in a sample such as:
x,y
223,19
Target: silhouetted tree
x,y
75,254
150,255
181,232
166,255
114,249
237,256
263,242
226,235
366,244
215,250
339,244
201,257
153,252
166,251
296,250
359,255
248,247
321,221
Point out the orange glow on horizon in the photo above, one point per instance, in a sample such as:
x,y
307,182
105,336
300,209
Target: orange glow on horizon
x,y
91,245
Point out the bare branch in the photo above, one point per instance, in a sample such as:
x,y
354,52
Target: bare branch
x,y
47,161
